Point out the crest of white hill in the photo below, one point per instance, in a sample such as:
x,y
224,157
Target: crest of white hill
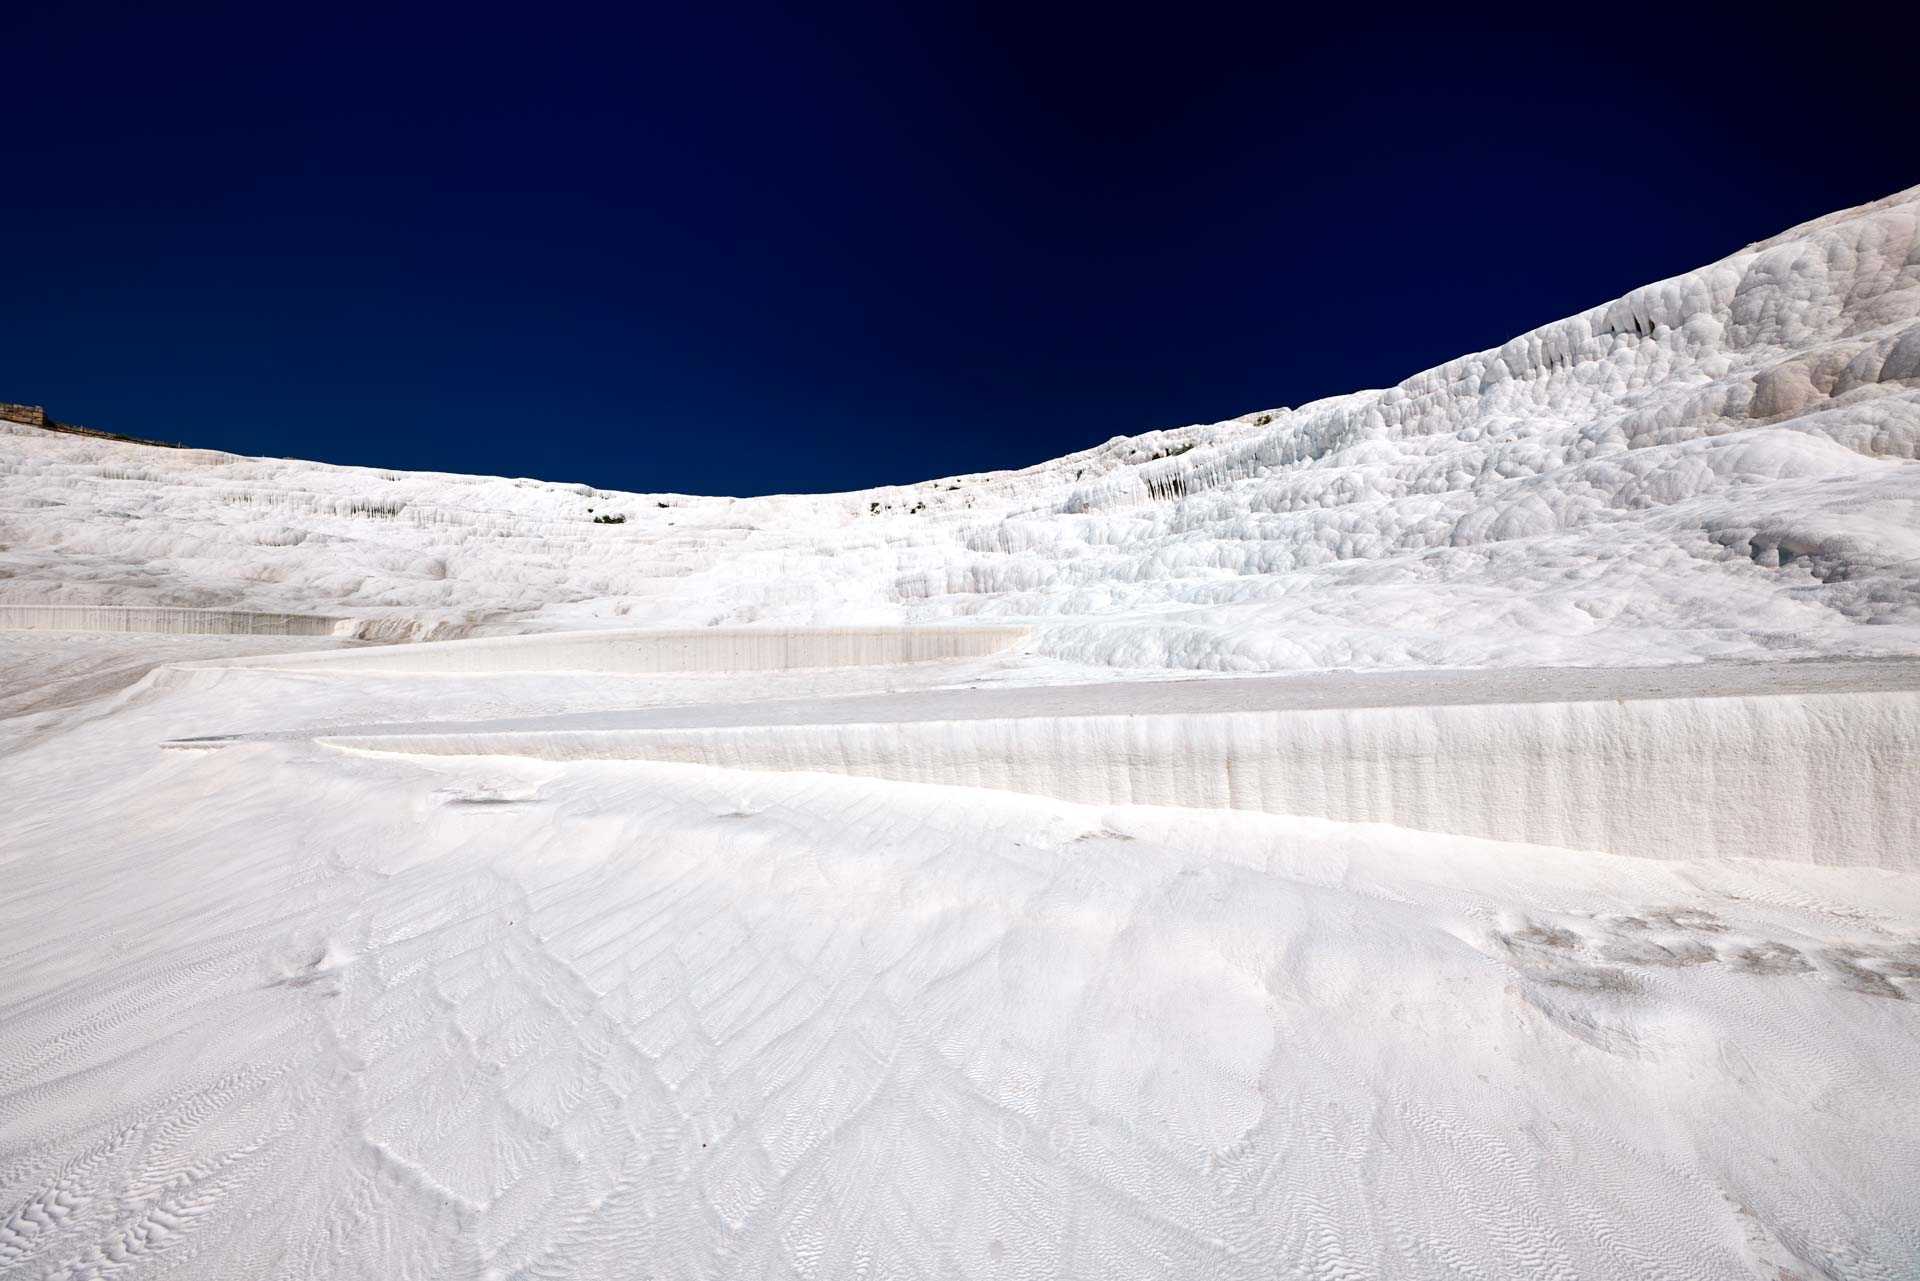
x,y
1717,465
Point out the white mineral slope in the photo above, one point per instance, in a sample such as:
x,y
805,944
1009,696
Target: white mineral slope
x,y
268,1009
274,1008
1717,465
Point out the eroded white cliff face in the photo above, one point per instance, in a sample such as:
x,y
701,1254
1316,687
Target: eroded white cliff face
x,y
1717,465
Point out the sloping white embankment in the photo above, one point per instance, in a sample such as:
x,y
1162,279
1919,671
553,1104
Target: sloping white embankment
x,y
1824,778
1719,465
712,649
166,621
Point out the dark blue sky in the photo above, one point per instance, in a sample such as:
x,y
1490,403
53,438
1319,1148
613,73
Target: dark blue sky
x,y
740,250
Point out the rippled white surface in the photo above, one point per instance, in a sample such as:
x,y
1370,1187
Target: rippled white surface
x,y
273,1008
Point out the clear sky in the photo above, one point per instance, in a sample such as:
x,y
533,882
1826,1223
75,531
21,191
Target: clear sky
x,y
733,249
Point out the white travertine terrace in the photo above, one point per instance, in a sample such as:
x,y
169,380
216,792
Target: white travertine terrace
x,y
1806,777
1719,465
164,621
1086,870
710,649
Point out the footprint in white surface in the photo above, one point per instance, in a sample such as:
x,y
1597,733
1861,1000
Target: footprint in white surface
x,y
1558,956
1767,957
1647,951
1860,970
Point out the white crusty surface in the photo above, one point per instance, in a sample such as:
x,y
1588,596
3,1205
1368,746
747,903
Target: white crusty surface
x,y
1717,465
271,1009
719,928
